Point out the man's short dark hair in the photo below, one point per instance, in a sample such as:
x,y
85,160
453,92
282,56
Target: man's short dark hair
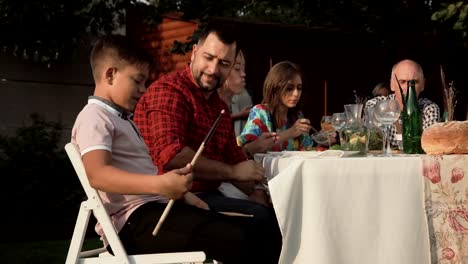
x,y
225,31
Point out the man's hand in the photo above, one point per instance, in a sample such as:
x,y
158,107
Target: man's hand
x,y
247,170
260,196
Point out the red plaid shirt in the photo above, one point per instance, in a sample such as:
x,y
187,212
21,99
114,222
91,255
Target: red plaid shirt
x,y
174,113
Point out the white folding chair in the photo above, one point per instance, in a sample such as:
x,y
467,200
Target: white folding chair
x,y
94,204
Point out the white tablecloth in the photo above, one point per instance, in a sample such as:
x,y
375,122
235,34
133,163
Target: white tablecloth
x,y
349,210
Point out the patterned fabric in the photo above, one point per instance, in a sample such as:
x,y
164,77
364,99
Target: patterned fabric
x,y
429,110
174,114
446,191
260,121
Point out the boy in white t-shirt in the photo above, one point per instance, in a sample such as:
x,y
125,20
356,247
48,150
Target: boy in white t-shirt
x,y
119,166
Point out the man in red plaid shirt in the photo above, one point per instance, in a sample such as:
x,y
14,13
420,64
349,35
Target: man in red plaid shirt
x,y
178,110
175,115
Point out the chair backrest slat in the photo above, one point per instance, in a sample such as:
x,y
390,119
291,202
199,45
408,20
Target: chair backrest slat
x,y
100,211
75,158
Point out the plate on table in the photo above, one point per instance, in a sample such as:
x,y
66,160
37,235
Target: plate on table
x,y
305,153
337,153
275,153
349,153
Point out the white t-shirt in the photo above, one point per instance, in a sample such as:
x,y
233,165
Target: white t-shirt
x,y
99,126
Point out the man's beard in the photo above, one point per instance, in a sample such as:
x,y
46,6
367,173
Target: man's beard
x,y
207,89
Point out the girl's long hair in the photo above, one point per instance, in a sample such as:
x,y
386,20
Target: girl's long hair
x,y
274,88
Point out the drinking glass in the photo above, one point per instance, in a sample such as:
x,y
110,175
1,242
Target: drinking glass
x,y
338,120
376,131
387,112
325,123
327,127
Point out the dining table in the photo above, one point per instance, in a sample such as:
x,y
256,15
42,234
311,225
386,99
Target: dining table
x,y
336,207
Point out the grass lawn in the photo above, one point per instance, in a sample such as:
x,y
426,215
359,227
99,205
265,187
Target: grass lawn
x,y
48,251
43,252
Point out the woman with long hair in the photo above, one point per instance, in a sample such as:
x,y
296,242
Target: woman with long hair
x,y
277,123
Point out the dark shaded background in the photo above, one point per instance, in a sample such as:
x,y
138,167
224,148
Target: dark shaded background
x,y
350,61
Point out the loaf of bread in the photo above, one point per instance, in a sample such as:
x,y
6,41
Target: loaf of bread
x,y
446,138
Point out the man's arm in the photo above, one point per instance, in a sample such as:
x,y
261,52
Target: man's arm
x,y
208,169
205,169
162,118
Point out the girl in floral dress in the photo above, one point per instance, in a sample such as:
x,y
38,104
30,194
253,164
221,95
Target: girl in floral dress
x,y
277,123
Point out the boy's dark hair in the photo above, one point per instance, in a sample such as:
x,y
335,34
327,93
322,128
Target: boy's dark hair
x,y
225,31
118,48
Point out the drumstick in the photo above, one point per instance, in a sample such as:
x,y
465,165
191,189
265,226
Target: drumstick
x,y
195,158
236,214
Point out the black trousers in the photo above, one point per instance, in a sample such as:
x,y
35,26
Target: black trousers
x,y
228,239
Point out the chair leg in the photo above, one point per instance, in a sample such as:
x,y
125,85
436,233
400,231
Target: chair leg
x,y
78,234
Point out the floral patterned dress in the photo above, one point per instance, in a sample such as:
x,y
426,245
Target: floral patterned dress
x,y
260,121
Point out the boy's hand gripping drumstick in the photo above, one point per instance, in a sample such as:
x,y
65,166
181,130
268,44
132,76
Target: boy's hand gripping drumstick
x,y
199,151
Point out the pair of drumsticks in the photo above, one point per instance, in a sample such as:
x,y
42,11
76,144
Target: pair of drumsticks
x,y
194,160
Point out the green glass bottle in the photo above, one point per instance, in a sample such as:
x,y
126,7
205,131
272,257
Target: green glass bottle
x,y
412,128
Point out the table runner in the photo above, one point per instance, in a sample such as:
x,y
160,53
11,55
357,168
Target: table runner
x,y
446,198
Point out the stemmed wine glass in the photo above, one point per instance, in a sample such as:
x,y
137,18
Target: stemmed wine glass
x,y
338,120
387,112
327,127
325,123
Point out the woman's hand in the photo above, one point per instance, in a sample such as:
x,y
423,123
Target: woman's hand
x,y
242,114
262,144
300,127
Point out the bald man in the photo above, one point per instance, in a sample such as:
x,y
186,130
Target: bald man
x,y
404,71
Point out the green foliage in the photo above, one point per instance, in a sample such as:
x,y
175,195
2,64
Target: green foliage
x,y
41,180
310,13
48,31
336,147
35,31
454,16
42,31
180,47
